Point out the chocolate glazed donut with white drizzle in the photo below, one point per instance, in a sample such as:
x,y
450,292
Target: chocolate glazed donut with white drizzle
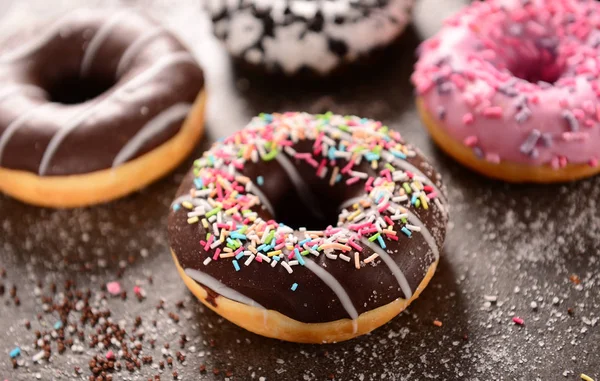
x,y
94,106
309,228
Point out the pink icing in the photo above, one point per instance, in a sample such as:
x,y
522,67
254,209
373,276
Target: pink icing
x,y
518,80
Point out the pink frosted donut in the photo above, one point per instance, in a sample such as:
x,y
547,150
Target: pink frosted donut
x,y
510,88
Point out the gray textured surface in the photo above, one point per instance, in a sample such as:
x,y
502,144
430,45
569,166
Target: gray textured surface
x,y
521,244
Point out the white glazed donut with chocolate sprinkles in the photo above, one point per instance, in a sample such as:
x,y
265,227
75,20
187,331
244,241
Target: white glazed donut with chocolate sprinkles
x,y
94,106
309,228
292,36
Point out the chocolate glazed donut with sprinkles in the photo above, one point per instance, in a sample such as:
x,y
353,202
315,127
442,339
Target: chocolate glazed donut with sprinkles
x,y
95,105
309,228
511,88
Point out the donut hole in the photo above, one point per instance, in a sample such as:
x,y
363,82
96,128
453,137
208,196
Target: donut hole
x,y
527,56
295,214
543,67
75,90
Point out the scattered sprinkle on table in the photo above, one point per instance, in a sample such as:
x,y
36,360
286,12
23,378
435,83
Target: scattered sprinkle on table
x,y
517,320
575,279
114,288
15,352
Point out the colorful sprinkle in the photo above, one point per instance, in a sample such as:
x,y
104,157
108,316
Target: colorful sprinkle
x,y
138,291
15,352
113,288
517,320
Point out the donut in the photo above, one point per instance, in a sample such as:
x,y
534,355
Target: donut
x,y
309,228
306,36
511,88
95,106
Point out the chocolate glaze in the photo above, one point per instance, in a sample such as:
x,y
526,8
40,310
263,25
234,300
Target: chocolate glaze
x,y
211,296
114,109
370,287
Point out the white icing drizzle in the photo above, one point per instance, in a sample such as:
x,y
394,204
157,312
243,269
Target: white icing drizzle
x,y
336,287
16,124
96,42
383,253
61,134
220,288
133,49
411,217
139,80
171,59
9,90
392,265
301,187
411,168
27,49
152,128
414,220
261,196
